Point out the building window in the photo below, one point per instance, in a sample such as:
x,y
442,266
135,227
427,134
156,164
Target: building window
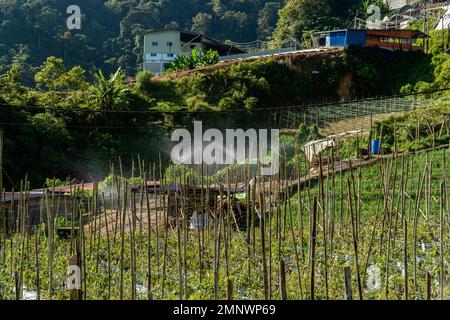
x,y
169,44
154,43
170,55
153,54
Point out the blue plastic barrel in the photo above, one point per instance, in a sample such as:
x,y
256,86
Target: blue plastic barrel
x,y
375,147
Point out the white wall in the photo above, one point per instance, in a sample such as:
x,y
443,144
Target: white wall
x,y
155,56
445,21
398,4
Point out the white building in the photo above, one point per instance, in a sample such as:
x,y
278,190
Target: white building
x,y
444,22
398,4
163,46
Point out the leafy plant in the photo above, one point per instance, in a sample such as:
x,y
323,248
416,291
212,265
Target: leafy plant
x,y
194,60
109,94
52,182
112,179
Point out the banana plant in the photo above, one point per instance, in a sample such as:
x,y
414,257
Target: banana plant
x,y
194,60
108,94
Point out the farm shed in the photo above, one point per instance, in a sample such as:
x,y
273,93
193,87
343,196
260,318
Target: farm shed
x,y
395,39
313,148
89,186
392,39
178,196
193,200
29,206
342,38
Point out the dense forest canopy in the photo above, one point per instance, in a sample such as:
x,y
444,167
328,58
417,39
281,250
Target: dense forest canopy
x,y
112,30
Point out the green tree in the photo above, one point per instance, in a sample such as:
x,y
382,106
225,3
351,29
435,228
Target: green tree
x,y
54,76
11,88
442,73
201,23
50,71
299,16
267,18
234,23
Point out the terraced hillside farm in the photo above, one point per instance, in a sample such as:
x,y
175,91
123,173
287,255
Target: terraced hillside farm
x,y
344,226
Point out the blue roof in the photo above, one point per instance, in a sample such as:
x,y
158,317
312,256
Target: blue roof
x,y
345,37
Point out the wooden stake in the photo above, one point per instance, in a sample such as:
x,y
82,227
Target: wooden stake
x,y
313,247
428,294
348,283
355,241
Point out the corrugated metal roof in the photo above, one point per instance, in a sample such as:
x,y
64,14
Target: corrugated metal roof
x,y
341,30
397,33
16,196
88,186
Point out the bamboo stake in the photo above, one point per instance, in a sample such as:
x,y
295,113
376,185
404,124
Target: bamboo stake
x,y
416,214
300,212
270,237
178,234
333,201
313,247
108,246
263,246
132,230
157,217
122,240
324,208
36,257
283,280
166,231
149,238
388,251
441,236
405,234
375,224
348,283
297,259
50,245
355,240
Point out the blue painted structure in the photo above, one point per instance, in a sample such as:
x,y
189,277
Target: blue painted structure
x,y
375,149
343,38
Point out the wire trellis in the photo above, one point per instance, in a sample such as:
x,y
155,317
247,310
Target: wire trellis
x,y
354,115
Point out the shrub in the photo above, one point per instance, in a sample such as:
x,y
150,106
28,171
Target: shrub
x,y
144,81
53,182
